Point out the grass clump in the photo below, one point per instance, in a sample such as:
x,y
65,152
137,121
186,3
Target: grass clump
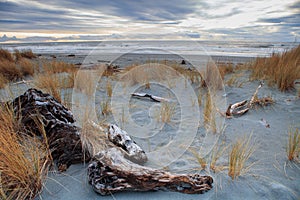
x,y
24,161
5,55
10,70
281,69
27,68
239,153
166,112
293,145
58,67
24,54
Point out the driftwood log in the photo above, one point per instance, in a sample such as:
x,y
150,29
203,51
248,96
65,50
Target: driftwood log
x,y
150,96
40,114
110,170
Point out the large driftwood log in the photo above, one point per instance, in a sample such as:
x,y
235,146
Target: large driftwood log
x,y
110,172
40,113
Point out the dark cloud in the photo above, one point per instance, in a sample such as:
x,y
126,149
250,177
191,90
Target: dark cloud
x,y
95,15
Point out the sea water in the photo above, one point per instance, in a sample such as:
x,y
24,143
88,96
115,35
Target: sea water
x,y
188,47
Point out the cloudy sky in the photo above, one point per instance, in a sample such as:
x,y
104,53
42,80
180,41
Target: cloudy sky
x,y
257,20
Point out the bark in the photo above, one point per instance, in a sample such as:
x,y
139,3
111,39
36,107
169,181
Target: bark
x,y
42,115
110,172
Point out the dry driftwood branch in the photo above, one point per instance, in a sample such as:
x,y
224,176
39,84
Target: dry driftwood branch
x,y
242,107
150,96
110,172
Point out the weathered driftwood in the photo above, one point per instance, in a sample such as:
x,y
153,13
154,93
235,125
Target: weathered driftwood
x,y
40,113
150,96
110,172
242,107
122,139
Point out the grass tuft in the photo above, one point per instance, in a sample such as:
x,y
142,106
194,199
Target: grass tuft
x,y
166,112
293,146
24,161
5,55
240,152
281,69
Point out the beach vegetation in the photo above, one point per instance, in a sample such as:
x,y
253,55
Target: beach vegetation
x,y
5,55
167,110
239,154
293,144
280,69
24,160
24,54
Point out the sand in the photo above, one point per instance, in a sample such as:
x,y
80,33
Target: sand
x,y
271,176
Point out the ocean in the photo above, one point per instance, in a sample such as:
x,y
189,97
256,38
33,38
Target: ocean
x,y
212,48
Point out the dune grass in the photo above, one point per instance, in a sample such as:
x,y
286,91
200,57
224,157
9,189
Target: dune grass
x,y
281,69
217,152
167,110
239,153
54,66
200,159
5,55
10,70
209,113
24,160
27,68
108,88
293,145
24,54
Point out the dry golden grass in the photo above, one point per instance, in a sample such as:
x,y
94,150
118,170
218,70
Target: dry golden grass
x,y
24,161
142,74
239,153
10,70
225,68
49,83
212,77
167,110
58,67
93,137
26,67
5,55
207,108
200,159
281,69
105,107
293,145
109,88
24,54
216,153
3,81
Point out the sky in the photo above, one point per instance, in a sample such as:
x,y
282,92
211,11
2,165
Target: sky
x,y
57,20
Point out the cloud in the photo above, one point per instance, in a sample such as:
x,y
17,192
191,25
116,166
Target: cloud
x,y
153,19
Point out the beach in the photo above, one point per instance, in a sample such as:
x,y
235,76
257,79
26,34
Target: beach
x,y
270,175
